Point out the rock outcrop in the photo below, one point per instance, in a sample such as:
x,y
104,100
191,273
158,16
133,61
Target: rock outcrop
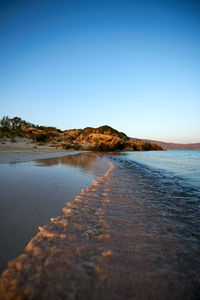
x,y
103,138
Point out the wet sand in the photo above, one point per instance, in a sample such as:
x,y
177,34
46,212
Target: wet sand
x,y
34,191
23,156
67,257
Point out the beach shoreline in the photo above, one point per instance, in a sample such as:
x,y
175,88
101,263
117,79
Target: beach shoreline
x,y
34,188
24,149
23,156
55,231
25,145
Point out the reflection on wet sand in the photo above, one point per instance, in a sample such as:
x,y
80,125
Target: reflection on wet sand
x,y
83,160
64,258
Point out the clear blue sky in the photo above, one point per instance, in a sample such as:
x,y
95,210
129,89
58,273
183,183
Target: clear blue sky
x,y
133,65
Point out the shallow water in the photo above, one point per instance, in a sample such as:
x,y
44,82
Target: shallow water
x,y
133,234
32,192
183,163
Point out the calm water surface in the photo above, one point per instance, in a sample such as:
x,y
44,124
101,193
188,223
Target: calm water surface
x,y
159,192
183,163
32,192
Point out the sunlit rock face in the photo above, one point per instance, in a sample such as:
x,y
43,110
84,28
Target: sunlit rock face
x,y
103,138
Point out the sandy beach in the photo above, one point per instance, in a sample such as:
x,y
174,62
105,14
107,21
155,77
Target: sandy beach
x,y
25,145
24,149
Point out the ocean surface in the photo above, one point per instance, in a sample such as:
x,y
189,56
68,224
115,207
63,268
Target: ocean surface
x,y
144,213
180,163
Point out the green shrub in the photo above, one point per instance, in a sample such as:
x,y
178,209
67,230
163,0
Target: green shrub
x,y
5,133
123,136
109,130
156,147
105,129
135,147
39,137
147,147
1,134
12,140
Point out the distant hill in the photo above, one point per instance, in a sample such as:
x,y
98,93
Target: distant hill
x,y
173,146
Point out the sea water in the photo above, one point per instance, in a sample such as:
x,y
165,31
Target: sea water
x,y
182,163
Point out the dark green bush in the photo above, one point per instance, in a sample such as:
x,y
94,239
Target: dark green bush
x,y
109,130
39,137
147,147
135,147
123,136
5,133
156,147
105,129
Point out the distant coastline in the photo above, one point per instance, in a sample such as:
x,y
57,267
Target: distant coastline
x,y
174,146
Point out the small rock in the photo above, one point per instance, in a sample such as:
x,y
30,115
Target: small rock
x,y
106,253
88,265
105,236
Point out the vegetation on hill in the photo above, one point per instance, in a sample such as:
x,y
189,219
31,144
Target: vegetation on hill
x,y
12,127
103,138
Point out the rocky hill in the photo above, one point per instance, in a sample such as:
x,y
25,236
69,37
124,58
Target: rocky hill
x,y
174,146
103,138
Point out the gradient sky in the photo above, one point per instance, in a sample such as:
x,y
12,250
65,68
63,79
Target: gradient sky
x,y
133,65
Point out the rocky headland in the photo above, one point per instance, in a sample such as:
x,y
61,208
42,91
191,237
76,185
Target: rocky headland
x,y
103,138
